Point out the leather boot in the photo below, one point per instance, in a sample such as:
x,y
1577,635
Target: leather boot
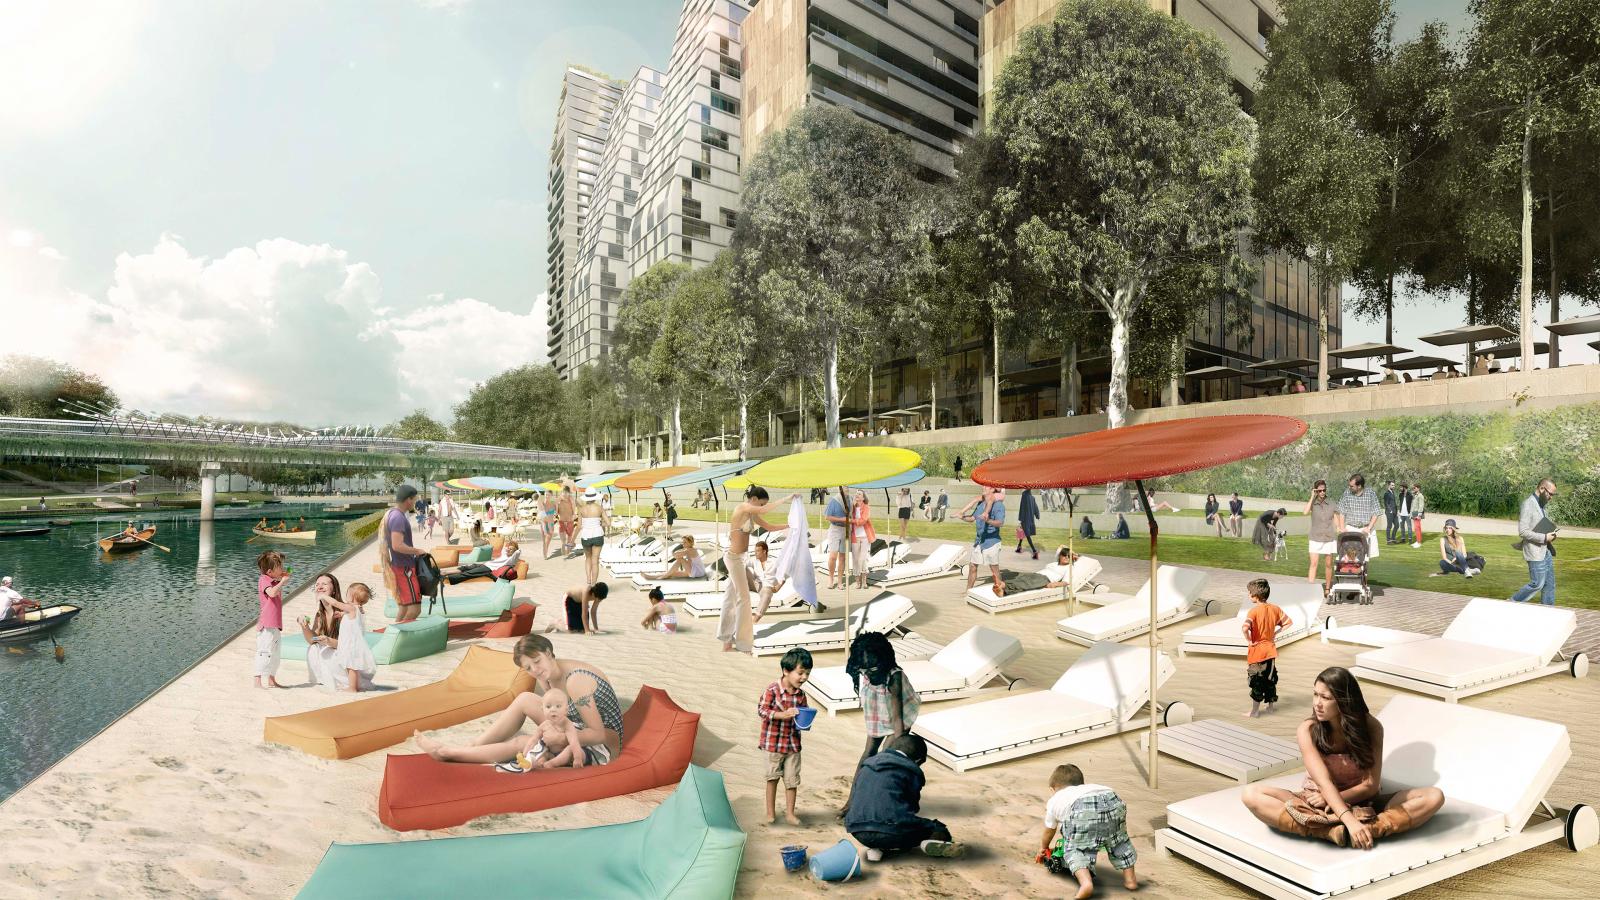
x,y
1334,834
1390,822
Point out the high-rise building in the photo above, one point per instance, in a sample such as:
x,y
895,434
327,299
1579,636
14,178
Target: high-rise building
x,y
690,199
584,115
603,271
908,65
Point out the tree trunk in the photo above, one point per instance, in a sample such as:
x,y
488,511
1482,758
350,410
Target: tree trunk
x,y
800,417
1322,331
995,369
1525,291
676,432
1388,291
1117,401
744,426
1472,311
830,393
870,429
1555,281
933,399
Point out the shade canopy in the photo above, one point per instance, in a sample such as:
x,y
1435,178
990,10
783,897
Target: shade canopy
x,y
1595,344
1513,348
833,467
1367,350
897,414
1287,362
1469,334
1213,372
736,483
645,479
714,475
1580,325
599,479
893,481
1139,451
485,483
1348,372
1423,362
1270,381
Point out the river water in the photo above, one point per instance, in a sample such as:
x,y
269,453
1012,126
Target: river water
x,y
147,616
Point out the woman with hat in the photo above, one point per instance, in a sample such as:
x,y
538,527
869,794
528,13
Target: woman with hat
x,y
593,523
1453,559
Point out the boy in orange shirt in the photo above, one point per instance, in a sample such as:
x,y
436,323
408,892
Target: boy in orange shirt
x,y
1261,625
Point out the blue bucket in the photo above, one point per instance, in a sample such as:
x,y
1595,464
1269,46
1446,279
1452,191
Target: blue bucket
x,y
794,857
840,862
804,715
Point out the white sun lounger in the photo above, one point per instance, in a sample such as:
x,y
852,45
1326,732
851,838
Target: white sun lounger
x,y
893,552
943,560
961,669
1095,697
659,560
1179,590
786,601
1084,572
679,588
883,613
1490,644
630,547
1300,601
1494,769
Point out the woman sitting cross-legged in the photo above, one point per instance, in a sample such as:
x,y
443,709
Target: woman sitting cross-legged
x,y
592,708
686,562
1342,745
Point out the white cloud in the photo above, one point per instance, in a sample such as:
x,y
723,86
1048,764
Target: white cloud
x,y
450,6
57,60
280,330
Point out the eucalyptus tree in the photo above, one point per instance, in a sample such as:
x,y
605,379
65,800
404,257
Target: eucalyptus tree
x,y
419,426
655,338
834,221
737,350
513,409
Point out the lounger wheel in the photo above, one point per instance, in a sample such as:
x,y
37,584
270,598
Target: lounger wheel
x,y
1582,828
1207,608
1330,623
1177,713
1098,588
1579,667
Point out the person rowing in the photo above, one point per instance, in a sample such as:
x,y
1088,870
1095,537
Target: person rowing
x,y
12,603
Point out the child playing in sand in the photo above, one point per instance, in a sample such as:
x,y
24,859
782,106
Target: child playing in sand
x,y
1261,625
1079,821
552,746
780,704
662,616
269,625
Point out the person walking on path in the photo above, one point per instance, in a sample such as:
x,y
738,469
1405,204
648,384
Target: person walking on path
x,y
447,518
1391,513
401,555
958,467
1419,507
862,537
1027,521
1358,511
987,512
904,511
566,519
1538,545
1323,539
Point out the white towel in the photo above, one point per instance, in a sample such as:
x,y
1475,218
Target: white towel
x,y
794,561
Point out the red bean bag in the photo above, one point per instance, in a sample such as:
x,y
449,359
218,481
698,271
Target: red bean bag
x,y
516,623
522,574
420,792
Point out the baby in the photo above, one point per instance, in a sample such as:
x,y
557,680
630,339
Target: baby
x,y
1350,563
555,744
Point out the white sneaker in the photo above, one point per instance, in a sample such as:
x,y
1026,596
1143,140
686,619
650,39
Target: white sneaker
x,y
1416,546
1471,572
874,855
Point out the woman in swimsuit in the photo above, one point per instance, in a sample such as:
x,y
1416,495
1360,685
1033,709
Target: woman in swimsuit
x,y
547,521
735,627
592,707
594,522
1342,745
686,562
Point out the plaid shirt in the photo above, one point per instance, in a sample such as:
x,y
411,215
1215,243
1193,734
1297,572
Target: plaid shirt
x,y
1359,509
779,735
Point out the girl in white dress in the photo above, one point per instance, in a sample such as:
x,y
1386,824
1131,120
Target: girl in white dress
x,y
345,662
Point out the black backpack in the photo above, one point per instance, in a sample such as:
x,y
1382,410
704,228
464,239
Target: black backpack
x,y
430,581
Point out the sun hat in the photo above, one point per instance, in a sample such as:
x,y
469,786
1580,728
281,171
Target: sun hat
x,y
591,496
1451,523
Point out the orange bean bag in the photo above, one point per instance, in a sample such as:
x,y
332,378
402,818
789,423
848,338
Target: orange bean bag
x,y
522,574
515,623
484,682
447,555
658,740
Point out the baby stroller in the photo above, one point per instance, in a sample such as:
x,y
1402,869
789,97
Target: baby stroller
x,y
1350,570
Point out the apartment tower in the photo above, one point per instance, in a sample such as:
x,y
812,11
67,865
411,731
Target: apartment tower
x,y
584,115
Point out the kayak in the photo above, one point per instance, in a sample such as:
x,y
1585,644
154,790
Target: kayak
x,y
285,535
23,532
38,621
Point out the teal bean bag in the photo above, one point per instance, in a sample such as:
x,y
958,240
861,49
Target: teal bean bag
x,y
487,605
688,848
293,645
480,553
396,643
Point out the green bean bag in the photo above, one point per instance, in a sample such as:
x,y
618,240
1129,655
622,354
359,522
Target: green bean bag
x,y
395,643
689,847
477,554
487,605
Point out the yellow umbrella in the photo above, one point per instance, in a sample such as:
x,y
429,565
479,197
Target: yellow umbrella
x,y
830,468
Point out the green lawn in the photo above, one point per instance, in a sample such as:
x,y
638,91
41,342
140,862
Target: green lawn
x,y
1577,568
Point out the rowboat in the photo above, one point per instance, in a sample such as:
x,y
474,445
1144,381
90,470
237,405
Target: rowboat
x,y
23,532
37,621
124,542
285,535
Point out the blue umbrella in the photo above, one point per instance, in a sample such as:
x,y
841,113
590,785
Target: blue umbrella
x,y
911,476
713,476
589,480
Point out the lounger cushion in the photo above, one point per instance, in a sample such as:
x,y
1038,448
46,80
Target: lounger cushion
x,y
1179,589
937,562
483,683
447,555
1083,572
1301,602
1522,627
978,652
1115,676
1447,663
883,613
658,740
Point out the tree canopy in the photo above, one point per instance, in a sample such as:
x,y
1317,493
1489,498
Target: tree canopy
x,y
517,408
419,426
36,388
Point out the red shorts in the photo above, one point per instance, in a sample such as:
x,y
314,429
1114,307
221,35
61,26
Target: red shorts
x,y
406,592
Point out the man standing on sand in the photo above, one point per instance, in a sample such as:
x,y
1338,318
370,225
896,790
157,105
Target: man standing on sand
x,y
1538,547
987,512
402,557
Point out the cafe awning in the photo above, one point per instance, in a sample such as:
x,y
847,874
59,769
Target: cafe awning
x,y
1270,381
1469,334
1512,348
1580,325
1215,372
1424,362
1367,351
1342,372
1288,362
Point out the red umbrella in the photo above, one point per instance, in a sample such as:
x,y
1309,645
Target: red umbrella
x,y
1133,454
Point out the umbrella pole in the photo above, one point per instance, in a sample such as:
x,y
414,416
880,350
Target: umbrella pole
x,y
1155,532
1072,585
849,548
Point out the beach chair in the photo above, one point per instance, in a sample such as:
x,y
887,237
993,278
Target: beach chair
x,y
884,613
1490,644
887,555
785,601
687,848
625,547
1098,695
1493,767
1084,572
961,669
1176,601
679,588
1300,601
943,560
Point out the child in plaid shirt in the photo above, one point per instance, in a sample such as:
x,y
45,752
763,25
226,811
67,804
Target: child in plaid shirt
x,y
1080,820
780,703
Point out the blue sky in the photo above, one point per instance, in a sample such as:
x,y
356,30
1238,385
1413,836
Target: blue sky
x,y
326,211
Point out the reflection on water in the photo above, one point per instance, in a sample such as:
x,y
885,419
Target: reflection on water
x,y
147,616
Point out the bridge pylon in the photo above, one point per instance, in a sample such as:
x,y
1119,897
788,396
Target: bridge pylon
x,y
208,490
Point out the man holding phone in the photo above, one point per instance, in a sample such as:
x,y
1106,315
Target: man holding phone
x,y
1538,546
